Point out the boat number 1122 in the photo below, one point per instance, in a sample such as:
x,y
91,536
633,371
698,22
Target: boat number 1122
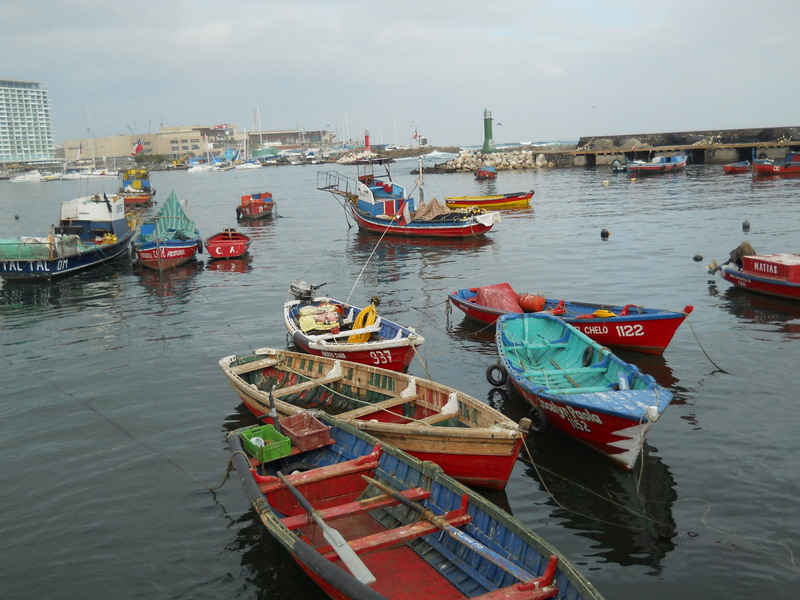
x,y
629,330
381,357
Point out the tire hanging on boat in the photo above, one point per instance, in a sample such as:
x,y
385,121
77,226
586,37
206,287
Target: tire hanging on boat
x,y
538,420
588,355
499,379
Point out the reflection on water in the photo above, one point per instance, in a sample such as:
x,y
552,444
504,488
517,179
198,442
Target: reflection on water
x,y
231,265
177,283
628,514
760,309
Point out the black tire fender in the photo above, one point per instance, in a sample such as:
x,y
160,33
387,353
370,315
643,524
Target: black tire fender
x,y
498,379
538,420
588,356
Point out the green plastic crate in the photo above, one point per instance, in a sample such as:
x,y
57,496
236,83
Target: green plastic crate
x,y
275,445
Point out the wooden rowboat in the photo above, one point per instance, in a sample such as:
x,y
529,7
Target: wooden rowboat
x,y
469,439
776,275
577,386
486,172
255,206
659,164
789,165
492,202
742,166
326,327
228,243
629,327
367,521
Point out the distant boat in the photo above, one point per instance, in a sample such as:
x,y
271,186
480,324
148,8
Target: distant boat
x,y
491,202
618,167
486,172
659,164
577,386
228,243
169,239
789,165
28,177
366,521
202,168
381,206
255,206
136,188
91,230
743,166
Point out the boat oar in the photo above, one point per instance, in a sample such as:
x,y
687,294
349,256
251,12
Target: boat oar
x,y
333,537
471,542
273,412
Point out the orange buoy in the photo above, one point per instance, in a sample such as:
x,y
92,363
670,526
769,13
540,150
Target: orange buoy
x,y
531,302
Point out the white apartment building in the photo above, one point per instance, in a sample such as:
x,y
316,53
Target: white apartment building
x,y
26,132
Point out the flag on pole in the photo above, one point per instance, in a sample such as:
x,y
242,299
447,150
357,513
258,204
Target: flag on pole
x,y
78,155
416,135
137,147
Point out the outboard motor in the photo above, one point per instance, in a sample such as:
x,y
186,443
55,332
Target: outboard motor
x,y
303,291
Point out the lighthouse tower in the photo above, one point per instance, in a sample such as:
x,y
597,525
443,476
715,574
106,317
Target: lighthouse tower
x,y
488,142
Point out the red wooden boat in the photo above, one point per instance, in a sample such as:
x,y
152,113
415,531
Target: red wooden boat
x,y
228,243
790,165
381,206
486,172
771,274
255,206
366,521
169,239
742,166
473,442
630,327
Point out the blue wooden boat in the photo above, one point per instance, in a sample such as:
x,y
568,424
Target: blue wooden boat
x,y
169,239
577,386
659,164
92,230
365,520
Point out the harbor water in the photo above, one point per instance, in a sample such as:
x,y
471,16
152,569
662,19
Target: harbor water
x,y
113,410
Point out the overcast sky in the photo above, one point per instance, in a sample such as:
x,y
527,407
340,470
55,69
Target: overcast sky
x,y
547,69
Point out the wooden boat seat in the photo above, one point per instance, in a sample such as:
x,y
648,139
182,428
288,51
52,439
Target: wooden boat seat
x,y
305,385
567,371
580,390
348,509
436,418
254,366
544,346
270,483
398,535
358,413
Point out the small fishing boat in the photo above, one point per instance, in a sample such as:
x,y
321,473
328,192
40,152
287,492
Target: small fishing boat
x,y
743,166
91,230
628,327
367,521
486,172
492,202
136,188
383,207
618,167
326,327
577,386
255,206
228,243
469,439
775,275
169,239
659,164
789,165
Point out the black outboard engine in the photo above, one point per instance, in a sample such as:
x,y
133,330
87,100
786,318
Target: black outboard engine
x,y
303,291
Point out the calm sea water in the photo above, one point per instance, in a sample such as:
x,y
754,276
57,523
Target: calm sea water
x,y
114,411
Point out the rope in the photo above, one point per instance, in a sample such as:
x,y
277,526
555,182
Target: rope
x,y
720,369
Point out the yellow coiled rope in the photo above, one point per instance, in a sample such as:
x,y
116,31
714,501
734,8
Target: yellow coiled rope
x,y
365,318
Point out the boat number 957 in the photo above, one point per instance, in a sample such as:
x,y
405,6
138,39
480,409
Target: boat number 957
x,y
381,357
629,330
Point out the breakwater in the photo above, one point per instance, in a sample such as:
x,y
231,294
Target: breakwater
x,y
702,147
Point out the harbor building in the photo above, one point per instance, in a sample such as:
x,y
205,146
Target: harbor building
x,y
26,132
